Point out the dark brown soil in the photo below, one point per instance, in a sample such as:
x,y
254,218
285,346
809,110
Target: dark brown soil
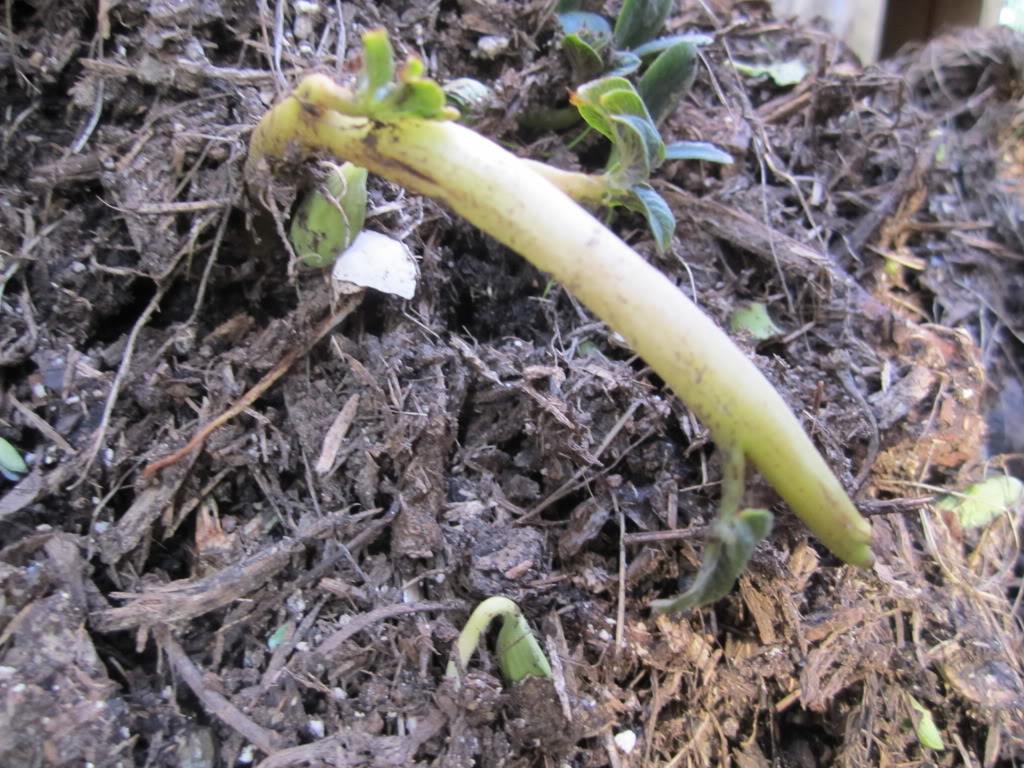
x,y
278,599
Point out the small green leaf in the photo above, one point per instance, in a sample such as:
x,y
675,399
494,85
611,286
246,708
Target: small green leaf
x,y
11,462
753,318
658,214
588,100
638,149
983,502
622,63
422,98
784,73
590,27
326,224
668,79
277,637
659,45
378,62
583,59
927,732
730,544
697,150
519,654
568,6
640,21
591,93
471,97
625,101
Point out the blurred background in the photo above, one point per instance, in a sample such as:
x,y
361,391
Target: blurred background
x,y
876,29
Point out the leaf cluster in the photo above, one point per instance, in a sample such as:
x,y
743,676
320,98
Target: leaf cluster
x,y
629,115
389,96
616,109
595,48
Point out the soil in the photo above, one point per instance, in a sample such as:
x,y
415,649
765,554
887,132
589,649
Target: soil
x,y
289,593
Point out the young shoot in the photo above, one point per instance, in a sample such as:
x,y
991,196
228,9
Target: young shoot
x,y
12,465
329,219
404,131
518,652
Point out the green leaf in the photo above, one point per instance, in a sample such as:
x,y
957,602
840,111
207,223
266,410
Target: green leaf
x,y
326,224
11,462
378,63
519,654
927,732
588,100
638,149
658,214
625,101
659,45
422,98
471,97
640,21
595,118
583,59
590,27
668,79
730,544
591,93
567,6
697,150
753,318
784,73
277,637
983,502
622,63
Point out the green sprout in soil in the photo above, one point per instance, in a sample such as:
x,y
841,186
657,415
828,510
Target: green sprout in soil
x,y
328,219
596,51
12,465
399,126
519,654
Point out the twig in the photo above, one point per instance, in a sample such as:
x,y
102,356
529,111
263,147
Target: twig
x,y
215,703
357,624
279,370
122,371
94,120
620,612
41,425
657,537
874,441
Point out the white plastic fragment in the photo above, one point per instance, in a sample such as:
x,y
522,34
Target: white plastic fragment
x,y
625,741
379,262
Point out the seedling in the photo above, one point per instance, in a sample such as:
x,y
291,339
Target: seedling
x,y
329,219
12,466
402,129
614,108
983,502
519,654
593,48
753,319
924,725
597,52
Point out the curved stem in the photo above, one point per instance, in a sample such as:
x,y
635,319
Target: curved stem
x,y
505,197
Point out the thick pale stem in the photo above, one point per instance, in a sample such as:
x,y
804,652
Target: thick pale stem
x,y
502,195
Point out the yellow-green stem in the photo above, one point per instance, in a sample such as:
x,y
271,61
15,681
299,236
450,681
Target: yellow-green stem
x,y
505,197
